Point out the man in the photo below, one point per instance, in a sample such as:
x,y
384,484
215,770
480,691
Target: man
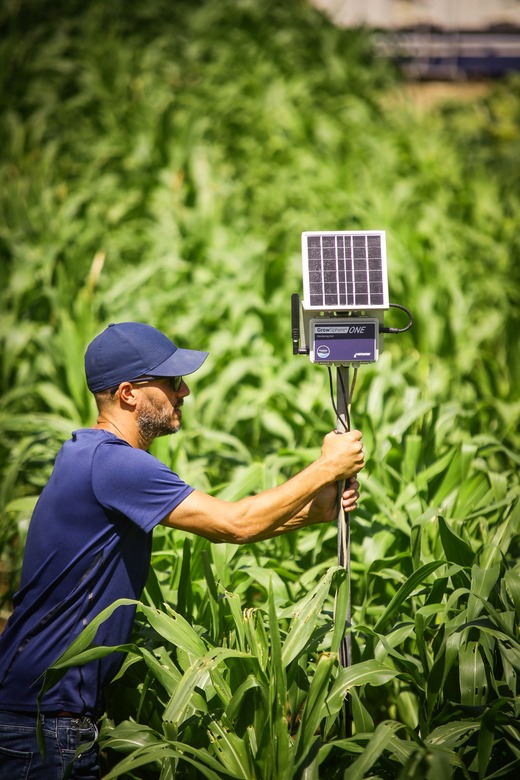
x,y
90,535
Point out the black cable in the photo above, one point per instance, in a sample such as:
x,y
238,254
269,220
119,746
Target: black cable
x,y
382,329
346,425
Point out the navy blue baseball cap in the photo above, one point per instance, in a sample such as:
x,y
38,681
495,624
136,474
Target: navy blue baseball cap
x,y
126,351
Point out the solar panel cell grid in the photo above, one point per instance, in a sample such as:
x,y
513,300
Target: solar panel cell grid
x,y
345,269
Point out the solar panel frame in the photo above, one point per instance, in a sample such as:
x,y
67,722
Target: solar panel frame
x,y
344,270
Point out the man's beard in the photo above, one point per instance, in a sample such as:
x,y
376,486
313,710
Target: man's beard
x,y
155,420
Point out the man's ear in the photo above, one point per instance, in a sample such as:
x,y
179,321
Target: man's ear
x,y
127,394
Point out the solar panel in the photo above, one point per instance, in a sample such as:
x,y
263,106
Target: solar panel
x,y
344,270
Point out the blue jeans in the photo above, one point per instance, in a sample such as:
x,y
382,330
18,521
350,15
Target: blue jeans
x,y
20,757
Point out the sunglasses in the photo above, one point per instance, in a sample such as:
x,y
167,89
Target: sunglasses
x,y
174,382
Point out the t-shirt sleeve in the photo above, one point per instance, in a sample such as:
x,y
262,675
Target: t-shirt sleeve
x,y
136,484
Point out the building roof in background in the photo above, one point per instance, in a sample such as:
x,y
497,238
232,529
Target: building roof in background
x,y
408,14
439,39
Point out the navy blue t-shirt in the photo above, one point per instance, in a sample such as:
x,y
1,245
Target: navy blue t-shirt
x,y
88,544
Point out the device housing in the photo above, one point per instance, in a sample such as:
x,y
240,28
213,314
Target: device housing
x,y
339,340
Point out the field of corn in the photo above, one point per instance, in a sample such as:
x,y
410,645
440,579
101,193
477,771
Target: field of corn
x,y
158,162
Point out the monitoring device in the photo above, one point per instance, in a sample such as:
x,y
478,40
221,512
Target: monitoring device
x,y
345,296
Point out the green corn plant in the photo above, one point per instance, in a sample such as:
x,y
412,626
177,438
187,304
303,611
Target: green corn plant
x,y
250,705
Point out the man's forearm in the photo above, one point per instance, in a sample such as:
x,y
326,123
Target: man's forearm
x,y
292,505
270,513
278,510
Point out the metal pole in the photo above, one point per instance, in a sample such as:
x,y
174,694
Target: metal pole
x,y
343,425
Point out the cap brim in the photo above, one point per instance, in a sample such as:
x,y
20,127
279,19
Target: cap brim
x,y
181,363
